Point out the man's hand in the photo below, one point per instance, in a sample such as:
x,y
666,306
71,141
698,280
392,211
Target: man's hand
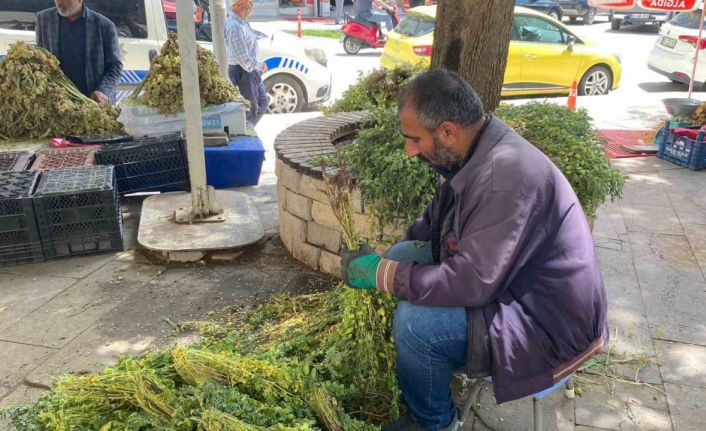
x,y
100,98
263,68
359,268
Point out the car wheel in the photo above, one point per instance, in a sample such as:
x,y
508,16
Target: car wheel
x,y
589,16
285,95
351,45
615,25
554,14
597,81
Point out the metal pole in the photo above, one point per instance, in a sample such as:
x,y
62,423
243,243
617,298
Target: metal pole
x,y
698,48
200,199
218,22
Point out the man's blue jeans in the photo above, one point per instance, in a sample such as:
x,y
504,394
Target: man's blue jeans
x,y
376,16
431,345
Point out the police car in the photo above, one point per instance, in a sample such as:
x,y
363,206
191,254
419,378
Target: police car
x,y
297,75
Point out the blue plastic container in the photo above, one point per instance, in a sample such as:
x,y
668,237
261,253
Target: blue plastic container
x,y
235,165
680,150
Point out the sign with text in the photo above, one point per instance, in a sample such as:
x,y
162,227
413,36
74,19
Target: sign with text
x,y
612,4
669,5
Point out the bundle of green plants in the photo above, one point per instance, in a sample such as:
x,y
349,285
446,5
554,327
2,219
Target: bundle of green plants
x,y
379,88
162,88
569,139
38,101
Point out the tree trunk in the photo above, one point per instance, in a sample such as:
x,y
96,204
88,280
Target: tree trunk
x,y
472,38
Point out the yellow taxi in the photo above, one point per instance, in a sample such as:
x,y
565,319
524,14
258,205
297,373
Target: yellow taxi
x,y
545,57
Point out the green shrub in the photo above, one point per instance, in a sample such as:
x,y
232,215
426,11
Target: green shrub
x,y
390,182
378,88
570,141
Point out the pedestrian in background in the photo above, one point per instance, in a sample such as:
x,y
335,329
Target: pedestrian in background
x,y
86,44
244,70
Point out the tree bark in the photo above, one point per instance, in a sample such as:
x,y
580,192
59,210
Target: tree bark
x,y
472,38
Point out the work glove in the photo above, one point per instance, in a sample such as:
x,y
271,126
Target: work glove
x,y
359,267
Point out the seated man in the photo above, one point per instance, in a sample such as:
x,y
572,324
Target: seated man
x,y
364,9
499,277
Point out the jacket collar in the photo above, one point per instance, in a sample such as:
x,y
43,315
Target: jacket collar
x,y
494,131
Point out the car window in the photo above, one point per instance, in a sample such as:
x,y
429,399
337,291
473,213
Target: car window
x,y
536,29
515,32
128,15
687,19
415,25
201,19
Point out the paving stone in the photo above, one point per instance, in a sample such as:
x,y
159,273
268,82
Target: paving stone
x,y
609,222
651,219
629,329
57,322
621,406
557,412
681,363
687,406
22,294
269,215
645,188
631,165
672,287
696,235
260,194
17,360
21,395
75,267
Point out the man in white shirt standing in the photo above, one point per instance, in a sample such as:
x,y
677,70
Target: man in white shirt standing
x,y
244,70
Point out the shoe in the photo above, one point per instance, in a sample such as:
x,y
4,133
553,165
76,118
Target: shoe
x,y
405,423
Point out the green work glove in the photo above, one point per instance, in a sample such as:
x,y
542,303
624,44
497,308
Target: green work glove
x,y
359,268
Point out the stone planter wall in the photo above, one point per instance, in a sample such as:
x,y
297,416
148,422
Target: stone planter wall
x,y
308,227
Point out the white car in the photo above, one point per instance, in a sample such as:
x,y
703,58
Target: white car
x,y
297,74
673,53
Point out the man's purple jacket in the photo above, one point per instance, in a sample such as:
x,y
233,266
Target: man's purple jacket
x,y
513,246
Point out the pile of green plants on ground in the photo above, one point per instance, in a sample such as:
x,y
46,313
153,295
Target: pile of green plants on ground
x,y
318,362
38,101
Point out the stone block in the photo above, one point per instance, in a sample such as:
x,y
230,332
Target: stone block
x,y
279,164
184,256
323,215
357,201
330,263
306,253
290,178
298,205
281,195
292,229
313,188
362,223
322,236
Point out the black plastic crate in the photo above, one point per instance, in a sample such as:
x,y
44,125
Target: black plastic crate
x,y
148,164
78,211
19,236
15,160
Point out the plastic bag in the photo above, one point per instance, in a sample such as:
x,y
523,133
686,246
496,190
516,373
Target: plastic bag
x,y
140,120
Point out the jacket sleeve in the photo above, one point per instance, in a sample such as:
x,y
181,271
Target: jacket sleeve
x,y
39,30
493,236
420,229
113,63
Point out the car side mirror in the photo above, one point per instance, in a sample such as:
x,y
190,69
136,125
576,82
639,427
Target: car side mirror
x,y
570,41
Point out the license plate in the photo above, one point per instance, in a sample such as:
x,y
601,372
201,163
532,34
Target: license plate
x,y
639,16
668,42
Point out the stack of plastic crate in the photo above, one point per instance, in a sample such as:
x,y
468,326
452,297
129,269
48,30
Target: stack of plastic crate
x,y
14,160
148,164
78,211
19,236
57,158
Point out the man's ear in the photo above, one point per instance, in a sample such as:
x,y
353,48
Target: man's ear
x,y
449,129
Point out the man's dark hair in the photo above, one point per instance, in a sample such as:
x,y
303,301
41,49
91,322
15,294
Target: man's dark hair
x,y
439,95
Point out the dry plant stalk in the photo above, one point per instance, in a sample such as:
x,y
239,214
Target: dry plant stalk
x,y
339,184
324,406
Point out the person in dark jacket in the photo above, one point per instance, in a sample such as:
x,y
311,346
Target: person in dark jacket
x,y
86,44
499,277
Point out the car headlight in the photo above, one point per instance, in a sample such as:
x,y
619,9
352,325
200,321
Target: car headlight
x,y
316,54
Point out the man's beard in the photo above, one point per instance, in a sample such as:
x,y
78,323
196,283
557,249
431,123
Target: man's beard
x,y
69,12
442,159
